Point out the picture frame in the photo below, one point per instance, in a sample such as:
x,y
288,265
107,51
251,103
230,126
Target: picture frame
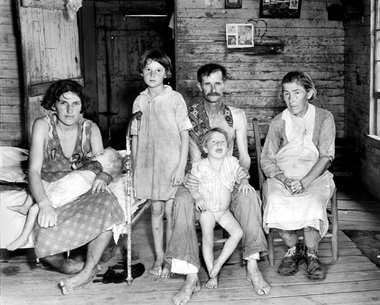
x,y
239,35
280,8
233,3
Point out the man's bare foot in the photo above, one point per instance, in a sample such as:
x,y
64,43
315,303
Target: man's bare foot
x,y
70,284
256,278
212,283
165,274
22,209
18,243
190,286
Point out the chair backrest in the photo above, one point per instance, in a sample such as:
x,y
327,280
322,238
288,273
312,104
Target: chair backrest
x,y
257,138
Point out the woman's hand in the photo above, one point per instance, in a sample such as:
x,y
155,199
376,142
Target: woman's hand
x,y
245,187
47,216
296,186
178,176
100,183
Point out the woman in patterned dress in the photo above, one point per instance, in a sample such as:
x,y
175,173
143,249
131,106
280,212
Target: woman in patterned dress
x,y
57,140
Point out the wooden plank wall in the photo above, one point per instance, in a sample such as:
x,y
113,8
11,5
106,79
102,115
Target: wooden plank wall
x,y
357,97
312,43
11,108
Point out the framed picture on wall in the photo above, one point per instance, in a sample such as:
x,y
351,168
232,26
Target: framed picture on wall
x,y
239,35
280,8
233,3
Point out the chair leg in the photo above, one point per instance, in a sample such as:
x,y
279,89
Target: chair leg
x,y
334,238
270,241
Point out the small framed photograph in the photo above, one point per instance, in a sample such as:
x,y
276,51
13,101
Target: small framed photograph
x,y
233,3
280,9
239,35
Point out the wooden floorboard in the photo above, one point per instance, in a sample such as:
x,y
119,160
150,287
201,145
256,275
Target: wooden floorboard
x,y
353,279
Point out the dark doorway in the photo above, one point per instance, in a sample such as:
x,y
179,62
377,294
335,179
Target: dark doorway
x,y
122,32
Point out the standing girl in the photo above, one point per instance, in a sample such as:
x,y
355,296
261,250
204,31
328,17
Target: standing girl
x,y
160,144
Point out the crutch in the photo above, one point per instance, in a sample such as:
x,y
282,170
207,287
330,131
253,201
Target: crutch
x,y
130,195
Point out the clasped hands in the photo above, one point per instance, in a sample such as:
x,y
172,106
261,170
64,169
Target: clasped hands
x,y
294,186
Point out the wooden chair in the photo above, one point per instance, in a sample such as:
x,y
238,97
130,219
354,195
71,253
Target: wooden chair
x,y
333,234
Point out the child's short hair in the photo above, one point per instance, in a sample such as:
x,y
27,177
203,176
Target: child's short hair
x,y
112,163
208,134
160,57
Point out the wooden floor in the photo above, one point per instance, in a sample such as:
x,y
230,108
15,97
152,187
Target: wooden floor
x,y
353,279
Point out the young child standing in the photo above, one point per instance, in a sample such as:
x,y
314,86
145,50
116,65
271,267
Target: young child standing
x,y
217,174
160,144
68,188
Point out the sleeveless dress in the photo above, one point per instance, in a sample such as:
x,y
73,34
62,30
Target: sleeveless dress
x,y
83,219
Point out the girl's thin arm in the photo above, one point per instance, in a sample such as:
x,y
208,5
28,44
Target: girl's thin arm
x,y
184,149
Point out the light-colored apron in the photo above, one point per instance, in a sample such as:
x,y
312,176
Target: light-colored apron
x,y
308,209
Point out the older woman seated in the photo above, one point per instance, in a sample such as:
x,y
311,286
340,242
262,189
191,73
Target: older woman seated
x,y
299,148
56,138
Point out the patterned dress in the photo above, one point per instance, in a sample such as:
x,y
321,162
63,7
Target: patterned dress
x,y
83,219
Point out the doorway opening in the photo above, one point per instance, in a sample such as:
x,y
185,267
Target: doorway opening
x,y
114,36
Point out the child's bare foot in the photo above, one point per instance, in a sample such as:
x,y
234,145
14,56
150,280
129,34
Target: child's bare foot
x,y
212,283
189,287
22,209
18,243
215,270
70,284
165,274
156,269
256,278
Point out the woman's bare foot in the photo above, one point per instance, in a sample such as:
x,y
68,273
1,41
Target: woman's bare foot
x,y
22,209
190,286
256,278
18,243
82,278
212,283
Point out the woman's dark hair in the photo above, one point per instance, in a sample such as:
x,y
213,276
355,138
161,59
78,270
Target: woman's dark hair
x,y
158,56
207,69
303,79
54,92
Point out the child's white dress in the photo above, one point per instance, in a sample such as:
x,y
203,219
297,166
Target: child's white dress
x,y
159,142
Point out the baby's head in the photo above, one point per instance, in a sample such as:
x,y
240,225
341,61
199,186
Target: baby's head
x,y
111,161
215,143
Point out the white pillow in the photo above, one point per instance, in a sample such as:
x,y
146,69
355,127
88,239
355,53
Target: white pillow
x,y
11,164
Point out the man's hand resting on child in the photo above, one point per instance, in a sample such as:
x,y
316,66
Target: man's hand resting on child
x,y
245,187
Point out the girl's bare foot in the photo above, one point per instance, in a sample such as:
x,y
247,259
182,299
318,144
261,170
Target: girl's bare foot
x,y
22,209
212,283
70,284
189,287
18,243
156,269
165,274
